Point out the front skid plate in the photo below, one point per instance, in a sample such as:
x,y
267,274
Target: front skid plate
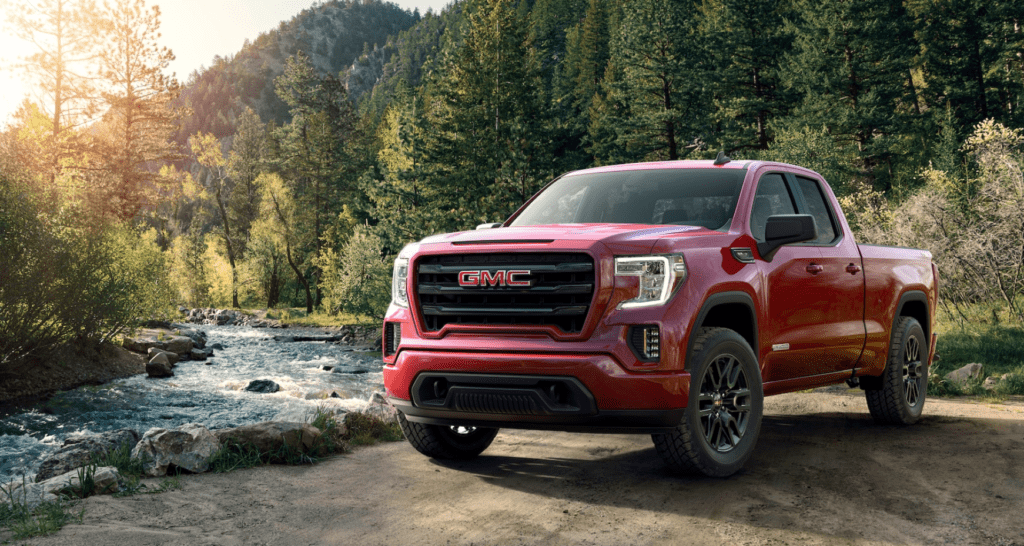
x,y
609,421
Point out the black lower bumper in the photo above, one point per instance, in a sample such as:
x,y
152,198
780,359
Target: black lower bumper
x,y
606,421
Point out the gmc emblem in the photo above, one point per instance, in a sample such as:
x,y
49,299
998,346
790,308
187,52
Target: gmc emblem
x,y
501,277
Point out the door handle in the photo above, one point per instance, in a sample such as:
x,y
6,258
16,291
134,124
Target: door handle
x,y
814,269
852,269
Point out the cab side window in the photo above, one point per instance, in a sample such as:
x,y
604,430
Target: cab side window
x,y
772,198
816,205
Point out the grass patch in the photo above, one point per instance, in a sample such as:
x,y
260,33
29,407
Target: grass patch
x,y
297,316
24,522
359,429
367,430
234,455
979,334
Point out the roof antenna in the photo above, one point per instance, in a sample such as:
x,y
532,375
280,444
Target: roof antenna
x,y
722,159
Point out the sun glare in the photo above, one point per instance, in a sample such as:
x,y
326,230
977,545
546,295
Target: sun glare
x,y
12,87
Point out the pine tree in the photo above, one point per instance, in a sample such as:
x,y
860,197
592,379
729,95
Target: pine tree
x,y
245,162
745,42
315,146
488,146
655,102
140,119
851,62
972,57
65,34
579,81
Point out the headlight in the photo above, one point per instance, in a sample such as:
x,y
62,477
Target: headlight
x,y
399,295
658,276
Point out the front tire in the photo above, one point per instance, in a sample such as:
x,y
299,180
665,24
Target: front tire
x,y
899,394
441,442
723,419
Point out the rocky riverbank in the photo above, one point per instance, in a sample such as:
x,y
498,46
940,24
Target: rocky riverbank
x,y
75,365
190,448
69,366
357,336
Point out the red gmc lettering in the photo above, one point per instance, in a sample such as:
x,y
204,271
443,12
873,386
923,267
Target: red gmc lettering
x,y
497,280
469,278
511,278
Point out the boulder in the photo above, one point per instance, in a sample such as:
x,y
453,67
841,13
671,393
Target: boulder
x,y
990,383
159,366
142,343
379,407
181,345
188,447
264,386
354,370
217,347
172,358
198,337
106,480
272,436
201,354
79,452
210,363
965,374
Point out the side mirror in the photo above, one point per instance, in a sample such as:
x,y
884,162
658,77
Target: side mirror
x,y
783,229
489,226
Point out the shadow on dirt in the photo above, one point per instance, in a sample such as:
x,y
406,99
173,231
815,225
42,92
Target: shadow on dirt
x,y
816,473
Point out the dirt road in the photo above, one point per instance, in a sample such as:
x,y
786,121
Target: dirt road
x,y
823,473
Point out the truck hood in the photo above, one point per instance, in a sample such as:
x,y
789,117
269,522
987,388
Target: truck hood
x,y
620,238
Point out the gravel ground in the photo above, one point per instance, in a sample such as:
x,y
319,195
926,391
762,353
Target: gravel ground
x,y
822,473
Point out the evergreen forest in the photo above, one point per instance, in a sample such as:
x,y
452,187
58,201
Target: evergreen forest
x,y
291,173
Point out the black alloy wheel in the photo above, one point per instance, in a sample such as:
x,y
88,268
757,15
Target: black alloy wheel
x,y
722,422
724,403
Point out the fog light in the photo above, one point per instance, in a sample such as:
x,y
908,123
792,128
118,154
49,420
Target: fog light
x,y
646,342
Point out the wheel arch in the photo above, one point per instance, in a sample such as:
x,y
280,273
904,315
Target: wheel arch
x,y
914,303
734,310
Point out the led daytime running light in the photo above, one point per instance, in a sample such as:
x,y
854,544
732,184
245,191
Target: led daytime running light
x,y
658,276
399,281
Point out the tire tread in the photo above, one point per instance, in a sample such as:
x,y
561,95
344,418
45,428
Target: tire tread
x,y
886,404
680,449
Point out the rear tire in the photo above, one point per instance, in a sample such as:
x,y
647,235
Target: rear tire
x,y
898,395
723,419
441,442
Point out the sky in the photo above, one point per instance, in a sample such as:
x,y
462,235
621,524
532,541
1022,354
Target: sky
x,y
195,30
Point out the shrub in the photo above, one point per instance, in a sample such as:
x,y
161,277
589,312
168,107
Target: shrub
x,y
65,278
357,279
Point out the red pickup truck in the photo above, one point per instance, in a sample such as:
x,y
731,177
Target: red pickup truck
x,y
660,298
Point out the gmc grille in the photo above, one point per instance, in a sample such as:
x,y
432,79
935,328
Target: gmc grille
x,y
562,287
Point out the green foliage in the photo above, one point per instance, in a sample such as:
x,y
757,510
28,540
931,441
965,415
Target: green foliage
x,y
97,279
121,459
234,455
357,279
656,97
486,150
188,267
367,430
44,519
745,43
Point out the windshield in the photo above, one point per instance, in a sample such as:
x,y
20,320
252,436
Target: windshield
x,y
694,197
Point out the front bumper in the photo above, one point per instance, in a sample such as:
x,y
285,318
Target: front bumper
x,y
591,393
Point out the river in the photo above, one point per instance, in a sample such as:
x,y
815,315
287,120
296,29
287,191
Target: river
x,y
212,395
